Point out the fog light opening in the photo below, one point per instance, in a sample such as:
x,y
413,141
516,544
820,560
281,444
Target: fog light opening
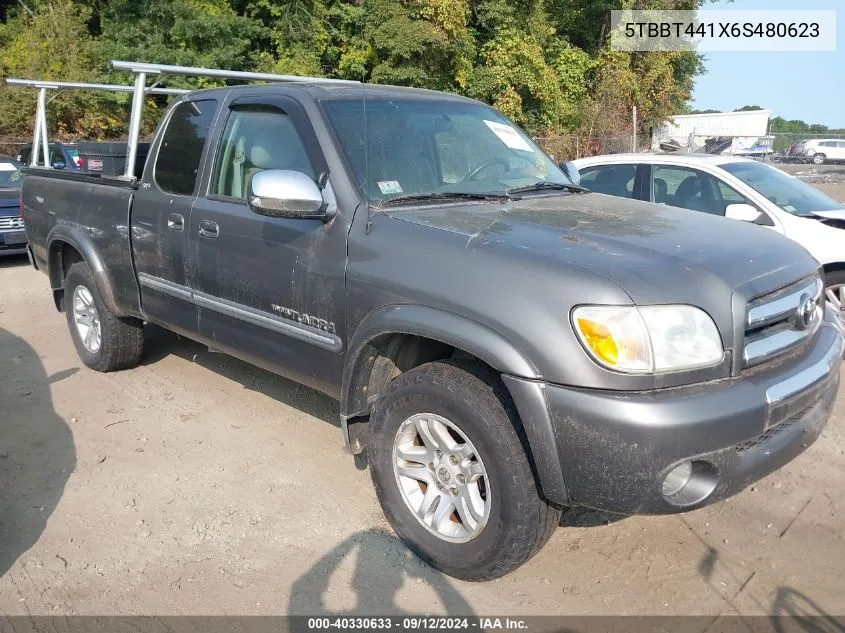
x,y
690,483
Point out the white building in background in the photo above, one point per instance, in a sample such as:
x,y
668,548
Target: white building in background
x,y
740,133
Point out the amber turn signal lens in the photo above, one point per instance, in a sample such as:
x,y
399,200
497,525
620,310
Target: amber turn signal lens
x,y
599,339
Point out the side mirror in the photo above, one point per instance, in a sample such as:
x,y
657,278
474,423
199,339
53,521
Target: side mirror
x,y
743,212
59,164
280,193
571,171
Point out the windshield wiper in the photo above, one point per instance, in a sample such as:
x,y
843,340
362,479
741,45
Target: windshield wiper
x,y
457,195
548,186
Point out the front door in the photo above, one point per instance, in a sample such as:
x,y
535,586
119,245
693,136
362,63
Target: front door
x,y
270,290
161,212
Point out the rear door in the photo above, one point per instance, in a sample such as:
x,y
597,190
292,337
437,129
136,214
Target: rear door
x,y
270,290
161,214
693,189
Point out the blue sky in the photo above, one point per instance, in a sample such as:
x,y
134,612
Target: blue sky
x,y
808,86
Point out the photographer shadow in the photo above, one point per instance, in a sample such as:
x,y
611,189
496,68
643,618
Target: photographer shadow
x,y
383,565
37,452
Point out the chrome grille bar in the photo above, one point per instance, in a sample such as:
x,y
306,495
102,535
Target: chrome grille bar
x,y
11,223
782,304
779,322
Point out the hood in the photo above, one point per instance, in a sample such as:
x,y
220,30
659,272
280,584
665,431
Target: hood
x,y
9,202
657,254
835,214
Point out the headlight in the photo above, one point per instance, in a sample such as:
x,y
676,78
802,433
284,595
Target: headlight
x,y
649,339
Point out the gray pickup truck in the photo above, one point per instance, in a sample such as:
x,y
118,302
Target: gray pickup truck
x,y
503,343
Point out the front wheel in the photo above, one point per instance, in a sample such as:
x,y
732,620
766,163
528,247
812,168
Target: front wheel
x,y
452,475
103,341
818,159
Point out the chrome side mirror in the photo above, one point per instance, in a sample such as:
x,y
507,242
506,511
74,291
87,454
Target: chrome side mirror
x,y
571,171
743,212
281,193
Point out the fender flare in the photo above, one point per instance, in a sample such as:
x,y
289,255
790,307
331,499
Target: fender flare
x,y
75,236
483,343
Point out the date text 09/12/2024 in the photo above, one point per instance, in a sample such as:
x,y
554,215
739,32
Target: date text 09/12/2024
x,y
417,623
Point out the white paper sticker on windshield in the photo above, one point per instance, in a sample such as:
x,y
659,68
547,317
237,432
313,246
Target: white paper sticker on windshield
x,y
508,136
389,186
7,167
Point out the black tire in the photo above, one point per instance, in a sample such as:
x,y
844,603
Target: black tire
x,y
520,521
819,159
122,339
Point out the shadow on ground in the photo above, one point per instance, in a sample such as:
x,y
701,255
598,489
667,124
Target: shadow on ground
x,y
160,343
794,611
383,567
37,453
13,261
578,517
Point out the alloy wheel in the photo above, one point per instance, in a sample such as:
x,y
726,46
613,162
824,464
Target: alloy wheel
x,y
87,319
441,477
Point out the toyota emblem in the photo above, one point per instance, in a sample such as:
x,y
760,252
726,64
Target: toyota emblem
x,y
806,313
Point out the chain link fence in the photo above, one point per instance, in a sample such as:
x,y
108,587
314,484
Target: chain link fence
x,y
777,148
570,147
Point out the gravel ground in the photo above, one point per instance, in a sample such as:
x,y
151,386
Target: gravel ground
x,y
197,484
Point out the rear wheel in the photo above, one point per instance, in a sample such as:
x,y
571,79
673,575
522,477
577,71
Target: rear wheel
x,y
835,293
452,475
103,341
818,159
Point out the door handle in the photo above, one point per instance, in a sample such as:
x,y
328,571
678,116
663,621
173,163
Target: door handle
x,y
209,229
175,222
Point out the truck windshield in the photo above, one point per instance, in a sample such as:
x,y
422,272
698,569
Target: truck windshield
x,y
788,192
417,149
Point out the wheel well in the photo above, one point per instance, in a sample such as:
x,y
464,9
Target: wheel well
x,y
388,356
61,257
382,360
829,268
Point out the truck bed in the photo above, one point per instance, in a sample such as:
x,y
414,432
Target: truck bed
x,y
87,213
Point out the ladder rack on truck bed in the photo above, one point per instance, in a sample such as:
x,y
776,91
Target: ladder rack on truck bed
x,y
139,90
40,141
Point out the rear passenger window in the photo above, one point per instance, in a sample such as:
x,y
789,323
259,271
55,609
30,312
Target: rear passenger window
x,y
181,148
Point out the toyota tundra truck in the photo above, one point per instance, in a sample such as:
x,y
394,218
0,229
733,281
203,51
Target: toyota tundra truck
x,y
504,344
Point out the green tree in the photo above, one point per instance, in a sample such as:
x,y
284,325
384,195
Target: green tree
x,y
545,63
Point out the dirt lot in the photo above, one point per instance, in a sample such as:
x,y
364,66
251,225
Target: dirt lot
x,y
196,484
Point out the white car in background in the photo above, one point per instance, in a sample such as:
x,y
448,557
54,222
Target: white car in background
x,y
820,151
736,188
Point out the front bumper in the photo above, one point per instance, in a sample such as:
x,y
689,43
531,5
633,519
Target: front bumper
x,y
616,448
13,242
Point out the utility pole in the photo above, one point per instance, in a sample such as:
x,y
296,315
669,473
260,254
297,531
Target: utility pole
x,y
634,134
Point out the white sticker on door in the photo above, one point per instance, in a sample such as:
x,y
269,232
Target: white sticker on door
x,y
508,136
389,186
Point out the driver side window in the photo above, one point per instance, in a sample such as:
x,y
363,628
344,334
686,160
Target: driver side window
x,y
255,139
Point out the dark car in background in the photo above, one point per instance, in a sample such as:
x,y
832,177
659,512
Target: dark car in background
x,y
12,234
62,156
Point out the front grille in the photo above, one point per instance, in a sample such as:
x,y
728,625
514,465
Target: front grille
x,y
13,223
782,320
765,436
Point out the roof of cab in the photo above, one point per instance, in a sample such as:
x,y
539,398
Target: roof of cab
x,y
328,91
